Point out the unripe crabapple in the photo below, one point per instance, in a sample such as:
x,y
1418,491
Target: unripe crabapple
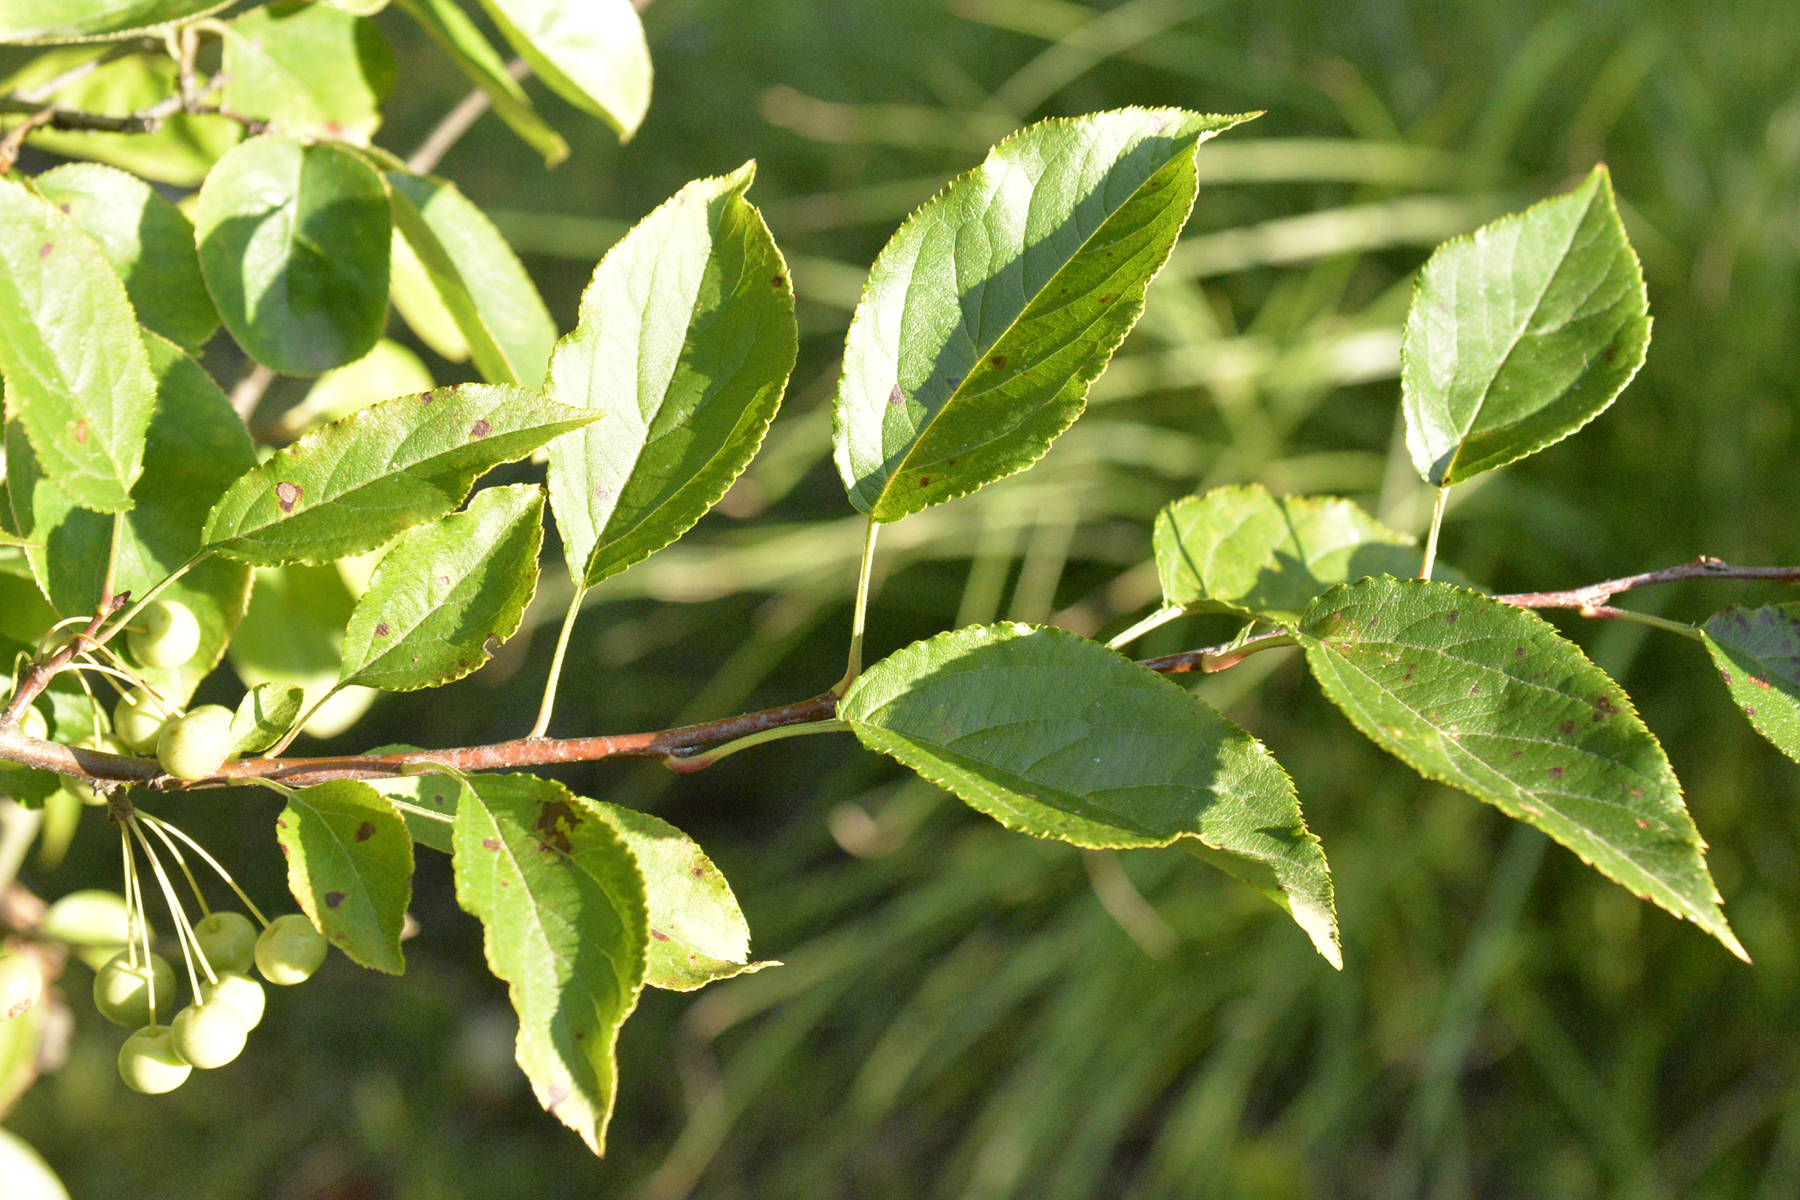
x,y
209,1034
166,634
228,940
196,744
122,988
137,721
148,1062
290,949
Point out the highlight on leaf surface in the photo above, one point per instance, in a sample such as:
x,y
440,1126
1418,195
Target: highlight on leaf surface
x,y
1056,736
1491,699
1521,333
996,304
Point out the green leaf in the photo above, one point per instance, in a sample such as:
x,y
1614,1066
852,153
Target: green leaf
x,y
592,53
27,1175
1757,651
1056,736
307,69
388,370
452,29
267,711
562,909
1490,698
1241,550
697,931
293,634
350,865
1521,333
434,793
195,447
351,485
994,307
480,281
149,242
685,341
448,594
294,249
75,371
79,20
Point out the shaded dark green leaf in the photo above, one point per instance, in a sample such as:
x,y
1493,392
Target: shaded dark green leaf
x,y
1757,652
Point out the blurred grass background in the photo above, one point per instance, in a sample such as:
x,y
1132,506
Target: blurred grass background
x,y
967,1013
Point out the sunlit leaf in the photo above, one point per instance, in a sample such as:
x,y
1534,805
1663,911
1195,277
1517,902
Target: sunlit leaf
x,y
685,342
1490,698
448,593
1521,333
267,711
74,20
697,931
437,794
294,249
74,365
480,281
561,903
351,485
149,242
1241,550
1056,736
350,865
307,68
592,53
1757,651
462,40
388,370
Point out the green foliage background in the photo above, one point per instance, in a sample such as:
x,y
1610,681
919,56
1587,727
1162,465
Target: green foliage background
x,y
962,1013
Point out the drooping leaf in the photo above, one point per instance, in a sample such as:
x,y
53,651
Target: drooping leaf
x,y
149,242
388,370
351,485
1757,652
180,151
1242,550
447,594
267,711
76,376
440,794
421,306
685,341
294,249
350,865
294,633
697,931
195,446
1056,736
462,40
79,20
1490,698
1521,333
994,307
592,53
561,903
480,281
307,69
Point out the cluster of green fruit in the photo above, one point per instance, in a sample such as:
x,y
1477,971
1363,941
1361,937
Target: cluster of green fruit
x,y
135,988
190,745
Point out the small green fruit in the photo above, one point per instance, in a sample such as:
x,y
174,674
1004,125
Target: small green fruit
x,y
228,940
148,1062
208,1035
94,922
137,721
21,983
196,744
166,634
289,950
241,992
122,989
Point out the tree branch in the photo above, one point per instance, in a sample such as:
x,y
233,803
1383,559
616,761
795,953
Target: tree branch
x,y
684,747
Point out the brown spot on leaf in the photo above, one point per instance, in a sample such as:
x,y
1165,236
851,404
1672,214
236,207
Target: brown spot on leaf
x,y
1726,676
1566,728
777,281
490,843
1518,652
1604,707
438,800
699,872
924,480
998,362
1761,683
1107,298
426,397
556,821
333,899
81,431
381,629
365,831
1642,824
287,495
1556,772
953,381
480,429
659,935
45,249
895,397
443,581
1749,710
1450,617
